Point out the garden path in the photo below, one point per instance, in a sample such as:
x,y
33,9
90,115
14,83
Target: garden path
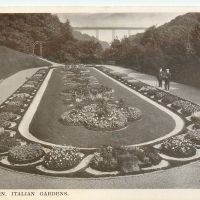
x,y
184,91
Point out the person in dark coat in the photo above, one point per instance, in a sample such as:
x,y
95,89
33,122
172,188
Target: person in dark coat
x,y
167,78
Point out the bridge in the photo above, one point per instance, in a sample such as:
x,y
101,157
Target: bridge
x,y
113,29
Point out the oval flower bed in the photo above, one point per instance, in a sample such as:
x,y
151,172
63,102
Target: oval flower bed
x,y
25,153
62,158
125,160
178,146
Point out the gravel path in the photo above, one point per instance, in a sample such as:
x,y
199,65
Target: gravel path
x,y
10,84
184,91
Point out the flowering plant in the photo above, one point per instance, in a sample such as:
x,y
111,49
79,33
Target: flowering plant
x,y
7,142
5,124
168,99
178,146
8,116
62,158
15,103
25,153
160,95
105,159
11,108
194,136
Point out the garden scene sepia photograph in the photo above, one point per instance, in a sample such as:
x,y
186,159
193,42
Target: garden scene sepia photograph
x,y
100,100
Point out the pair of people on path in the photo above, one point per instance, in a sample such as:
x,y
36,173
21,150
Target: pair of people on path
x,y
164,75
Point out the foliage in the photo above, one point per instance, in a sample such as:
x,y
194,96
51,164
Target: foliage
x,y
105,159
178,146
194,136
8,116
7,142
25,153
20,31
62,158
174,45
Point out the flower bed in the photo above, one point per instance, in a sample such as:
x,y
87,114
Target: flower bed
x,y
168,99
72,117
62,158
21,95
160,95
11,108
125,160
5,124
25,154
7,142
196,119
7,116
27,90
178,146
105,160
187,107
193,136
15,103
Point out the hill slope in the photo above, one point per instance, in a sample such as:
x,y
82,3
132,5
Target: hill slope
x,y
12,61
20,31
174,45
85,37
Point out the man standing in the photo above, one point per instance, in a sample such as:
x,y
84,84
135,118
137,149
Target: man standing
x,y
167,78
160,77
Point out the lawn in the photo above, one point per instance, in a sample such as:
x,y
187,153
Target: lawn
x,y
45,125
12,61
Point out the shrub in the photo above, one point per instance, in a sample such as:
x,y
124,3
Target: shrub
x,y
4,124
7,142
132,113
7,116
160,95
196,117
152,92
179,147
168,99
72,117
21,95
105,117
11,108
189,109
15,103
180,104
105,159
62,158
27,90
193,136
3,149
137,85
26,153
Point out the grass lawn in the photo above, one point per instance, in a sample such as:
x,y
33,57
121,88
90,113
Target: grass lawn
x,y
12,61
45,124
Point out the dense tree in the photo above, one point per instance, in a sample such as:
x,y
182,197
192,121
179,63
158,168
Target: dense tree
x,y
174,45
20,31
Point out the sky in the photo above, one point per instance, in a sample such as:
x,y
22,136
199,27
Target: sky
x,y
116,20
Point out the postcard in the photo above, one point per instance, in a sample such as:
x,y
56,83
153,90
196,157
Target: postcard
x,y
99,102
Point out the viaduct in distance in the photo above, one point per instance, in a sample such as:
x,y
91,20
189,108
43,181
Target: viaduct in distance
x,y
112,29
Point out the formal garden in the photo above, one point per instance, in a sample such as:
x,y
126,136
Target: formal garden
x,y
95,122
